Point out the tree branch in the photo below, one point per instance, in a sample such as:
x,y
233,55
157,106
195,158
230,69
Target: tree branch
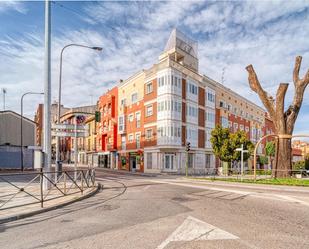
x,y
296,69
300,87
256,87
280,96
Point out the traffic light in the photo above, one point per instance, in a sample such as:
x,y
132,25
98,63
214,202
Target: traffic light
x,y
97,116
188,146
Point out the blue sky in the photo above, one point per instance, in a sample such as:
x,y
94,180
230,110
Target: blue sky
x,y
231,35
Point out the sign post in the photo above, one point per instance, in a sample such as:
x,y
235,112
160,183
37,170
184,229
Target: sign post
x,y
242,151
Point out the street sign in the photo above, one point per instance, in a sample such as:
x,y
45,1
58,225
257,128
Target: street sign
x,y
69,127
69,134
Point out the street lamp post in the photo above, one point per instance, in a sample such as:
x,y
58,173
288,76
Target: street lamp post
x,y
59,97
21,128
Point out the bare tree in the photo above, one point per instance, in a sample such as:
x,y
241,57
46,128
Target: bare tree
x,y
284,121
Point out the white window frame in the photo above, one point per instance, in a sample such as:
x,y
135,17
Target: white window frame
x,y
131,117
149,113
132,100
146,133
122,117
131,138
150,85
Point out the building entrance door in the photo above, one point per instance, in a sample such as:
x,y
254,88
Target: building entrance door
x,y
133,163
169,160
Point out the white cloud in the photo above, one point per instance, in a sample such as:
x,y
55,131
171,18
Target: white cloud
x,y
12,5
231,35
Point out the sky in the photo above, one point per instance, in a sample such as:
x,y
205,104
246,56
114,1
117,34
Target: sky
x,y
230,35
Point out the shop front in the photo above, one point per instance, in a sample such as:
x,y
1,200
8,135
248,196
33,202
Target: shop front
x,y
131,161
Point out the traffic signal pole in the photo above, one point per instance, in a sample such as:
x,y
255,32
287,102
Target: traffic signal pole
x,y
187,155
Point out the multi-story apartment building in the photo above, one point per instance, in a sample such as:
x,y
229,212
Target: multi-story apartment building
x,y
164,107
131,123
238,113
107,129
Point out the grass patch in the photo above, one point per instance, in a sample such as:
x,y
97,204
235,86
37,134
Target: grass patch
x,y
272,181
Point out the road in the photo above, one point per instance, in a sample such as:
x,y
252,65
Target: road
x,y
167,212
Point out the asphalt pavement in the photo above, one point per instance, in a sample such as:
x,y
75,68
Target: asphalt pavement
x,y
166,212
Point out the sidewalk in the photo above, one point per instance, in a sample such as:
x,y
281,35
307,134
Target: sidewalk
x,y
125,172
23,195
21,207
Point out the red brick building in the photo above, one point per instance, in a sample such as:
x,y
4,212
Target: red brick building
x,y
107,129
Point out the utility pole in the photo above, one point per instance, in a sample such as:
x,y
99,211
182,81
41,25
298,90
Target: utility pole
x,y
47,94
242,151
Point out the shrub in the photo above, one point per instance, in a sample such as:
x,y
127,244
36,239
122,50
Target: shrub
x,y
299,165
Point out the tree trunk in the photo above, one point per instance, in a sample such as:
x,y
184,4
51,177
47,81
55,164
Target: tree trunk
x,y
284,159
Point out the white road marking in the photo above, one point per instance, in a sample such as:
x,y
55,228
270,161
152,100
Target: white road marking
x,y
275,197
147,187
193,229
203,187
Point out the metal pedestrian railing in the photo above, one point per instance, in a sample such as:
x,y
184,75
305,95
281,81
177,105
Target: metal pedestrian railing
x,y
22,189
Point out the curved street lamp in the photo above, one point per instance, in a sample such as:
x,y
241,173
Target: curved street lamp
x,y
59,96
21,127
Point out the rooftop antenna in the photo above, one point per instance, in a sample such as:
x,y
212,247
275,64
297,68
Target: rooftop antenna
x,y
222,77
4,92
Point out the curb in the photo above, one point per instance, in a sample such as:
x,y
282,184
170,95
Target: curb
x,y
43,210
124,172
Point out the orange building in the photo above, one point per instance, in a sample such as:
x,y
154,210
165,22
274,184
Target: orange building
x,y
107,129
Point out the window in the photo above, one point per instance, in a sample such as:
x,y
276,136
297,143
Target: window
x,y
130,138
121,123
138,139
224,122
149,160
148,133
149,88
222,104
123,102
131,117
235,110
192,111
138,119
230,124
134,98
210,116
241,127
192,88
229,107
235,126
247,129
210,97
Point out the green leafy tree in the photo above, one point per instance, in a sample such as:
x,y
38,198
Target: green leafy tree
x,y
270,150
220,140
238,139
224,144
263,160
